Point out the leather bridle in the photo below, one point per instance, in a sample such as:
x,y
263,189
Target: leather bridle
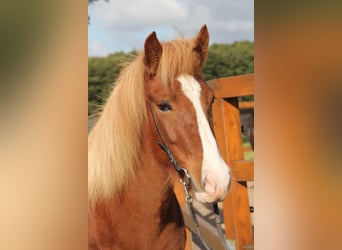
x,y
185,179
182,172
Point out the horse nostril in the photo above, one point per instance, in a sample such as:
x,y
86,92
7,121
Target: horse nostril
x,y
209,184
204,182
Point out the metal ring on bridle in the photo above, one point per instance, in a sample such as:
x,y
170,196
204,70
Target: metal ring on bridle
x,y
184,177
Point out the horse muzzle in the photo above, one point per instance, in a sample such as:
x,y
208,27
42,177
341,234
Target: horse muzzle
x,y
216,186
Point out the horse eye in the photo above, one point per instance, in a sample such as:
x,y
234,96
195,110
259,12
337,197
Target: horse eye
x,y
212,101
164,106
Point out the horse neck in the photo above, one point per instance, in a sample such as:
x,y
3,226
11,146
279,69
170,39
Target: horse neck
x,y
146,206
154,169
154,199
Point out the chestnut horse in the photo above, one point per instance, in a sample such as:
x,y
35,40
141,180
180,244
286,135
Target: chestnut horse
x,y
132,204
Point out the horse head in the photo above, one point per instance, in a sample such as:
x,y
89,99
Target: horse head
x,y
180,102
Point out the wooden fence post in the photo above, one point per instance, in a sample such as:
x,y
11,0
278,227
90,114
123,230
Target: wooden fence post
x,y
227,128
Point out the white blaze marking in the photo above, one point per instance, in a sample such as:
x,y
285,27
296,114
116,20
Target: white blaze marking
x,y
212,163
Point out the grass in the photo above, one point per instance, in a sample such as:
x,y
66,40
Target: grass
x,y
249,155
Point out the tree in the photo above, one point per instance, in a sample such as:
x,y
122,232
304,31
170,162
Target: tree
x,y
229,59
92,2
223,60
102,73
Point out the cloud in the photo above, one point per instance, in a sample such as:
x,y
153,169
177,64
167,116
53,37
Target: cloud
x,y
124,25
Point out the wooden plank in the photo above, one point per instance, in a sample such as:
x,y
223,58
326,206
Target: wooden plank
x,y
208,231
231,115
233,86
240,220
247,149
246,105
243,170
221,138
219,127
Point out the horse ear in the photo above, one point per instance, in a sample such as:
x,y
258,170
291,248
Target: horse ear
x,y
201,44
153,51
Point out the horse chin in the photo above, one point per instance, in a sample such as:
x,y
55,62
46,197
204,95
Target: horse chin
x,y
206,198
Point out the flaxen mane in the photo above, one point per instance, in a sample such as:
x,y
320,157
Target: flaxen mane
x,y
114,142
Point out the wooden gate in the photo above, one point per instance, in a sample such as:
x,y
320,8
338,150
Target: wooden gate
x,y
227,126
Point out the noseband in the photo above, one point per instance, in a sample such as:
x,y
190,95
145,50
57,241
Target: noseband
x,y
185,179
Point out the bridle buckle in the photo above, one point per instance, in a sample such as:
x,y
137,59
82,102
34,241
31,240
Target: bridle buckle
x,y
185,179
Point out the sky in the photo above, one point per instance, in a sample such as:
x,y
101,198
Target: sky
x,y
123,25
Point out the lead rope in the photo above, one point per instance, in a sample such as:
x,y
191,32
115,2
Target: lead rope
x,y
183,174
219,222
218,217
188,198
